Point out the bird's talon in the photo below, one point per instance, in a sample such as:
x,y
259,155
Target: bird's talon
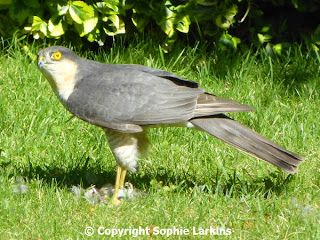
x,y
115,201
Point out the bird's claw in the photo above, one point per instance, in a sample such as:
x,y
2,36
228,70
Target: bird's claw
x,y
115,201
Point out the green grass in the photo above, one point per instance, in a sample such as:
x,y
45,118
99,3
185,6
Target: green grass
x,y
190,179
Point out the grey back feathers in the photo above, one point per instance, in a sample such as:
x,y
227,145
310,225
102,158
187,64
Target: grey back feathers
x,y
116,96
125,98
124,94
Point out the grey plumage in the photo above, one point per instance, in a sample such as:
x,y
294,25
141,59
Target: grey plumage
x,y
247,140
126,99
125,95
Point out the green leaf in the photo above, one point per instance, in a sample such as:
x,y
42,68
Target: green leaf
x,y
56,26
62,9
115,27
263,38
167,27
109,7
118,23
39,27
269,49
225,20
226,40
222,22
92,36
80,11
168,12
231,12
183,24
277,48
96,36
87,26
265,29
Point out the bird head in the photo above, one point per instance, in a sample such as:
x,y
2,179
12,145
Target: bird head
x,y
59,65
51,59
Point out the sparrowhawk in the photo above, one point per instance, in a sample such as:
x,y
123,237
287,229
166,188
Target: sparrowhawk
x,y
127,99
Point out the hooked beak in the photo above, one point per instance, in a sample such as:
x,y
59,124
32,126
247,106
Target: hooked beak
x,y
41,62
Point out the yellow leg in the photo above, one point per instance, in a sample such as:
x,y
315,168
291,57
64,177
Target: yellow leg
x,y
115,200
122,177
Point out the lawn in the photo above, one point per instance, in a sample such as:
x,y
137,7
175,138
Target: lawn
x,y
189,180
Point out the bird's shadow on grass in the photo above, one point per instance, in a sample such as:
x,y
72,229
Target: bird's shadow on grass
x,y
237,184
233,184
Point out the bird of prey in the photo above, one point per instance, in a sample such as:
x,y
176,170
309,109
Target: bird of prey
x,y
127,99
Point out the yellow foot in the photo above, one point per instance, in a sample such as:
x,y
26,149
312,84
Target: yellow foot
x,y
121,174
115,201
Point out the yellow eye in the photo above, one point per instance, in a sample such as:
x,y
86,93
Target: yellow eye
x,y
56,55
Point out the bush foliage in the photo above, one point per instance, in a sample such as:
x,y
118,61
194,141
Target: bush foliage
x,y
269,23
